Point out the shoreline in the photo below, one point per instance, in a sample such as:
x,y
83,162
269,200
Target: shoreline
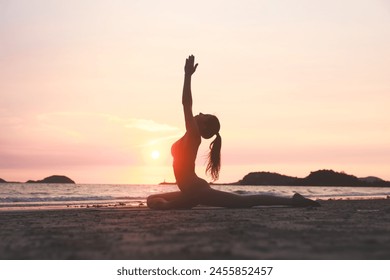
x,y
340,229
142,205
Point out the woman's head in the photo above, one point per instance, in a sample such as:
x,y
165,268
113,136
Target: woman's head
x,y
209,126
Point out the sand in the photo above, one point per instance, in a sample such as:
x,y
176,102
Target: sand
x,y
337,230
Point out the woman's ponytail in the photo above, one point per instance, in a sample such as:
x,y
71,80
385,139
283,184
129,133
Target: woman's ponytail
x,y
214,158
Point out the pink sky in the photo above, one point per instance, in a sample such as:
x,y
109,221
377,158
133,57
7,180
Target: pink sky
x,y
90,89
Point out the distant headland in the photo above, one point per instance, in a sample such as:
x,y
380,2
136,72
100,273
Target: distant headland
x,y
54,179
322,177
316,178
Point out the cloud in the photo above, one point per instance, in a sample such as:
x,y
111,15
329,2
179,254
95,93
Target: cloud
x,y
137,123
150,126
159,140
78,139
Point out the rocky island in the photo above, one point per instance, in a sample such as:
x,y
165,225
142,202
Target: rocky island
x,y
54,179
316,178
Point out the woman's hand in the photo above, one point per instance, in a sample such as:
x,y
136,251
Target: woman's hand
x,y
190,68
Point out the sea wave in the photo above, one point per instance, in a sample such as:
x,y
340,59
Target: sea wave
x,y
64,199
16,195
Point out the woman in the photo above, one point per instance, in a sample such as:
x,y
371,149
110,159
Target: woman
x,y
194,190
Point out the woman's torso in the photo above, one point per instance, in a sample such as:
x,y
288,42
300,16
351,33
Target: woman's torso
x,y
184,153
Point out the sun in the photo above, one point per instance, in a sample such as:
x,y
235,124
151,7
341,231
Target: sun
x,y
155,154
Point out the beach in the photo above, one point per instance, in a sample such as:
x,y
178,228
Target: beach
x,y
340,229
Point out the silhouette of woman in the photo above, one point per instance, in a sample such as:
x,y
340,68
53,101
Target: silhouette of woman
x,y
194,190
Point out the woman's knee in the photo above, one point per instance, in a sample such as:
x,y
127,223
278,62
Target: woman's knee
x,y
156,202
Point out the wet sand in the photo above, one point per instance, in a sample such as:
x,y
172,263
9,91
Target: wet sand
x,y
342,229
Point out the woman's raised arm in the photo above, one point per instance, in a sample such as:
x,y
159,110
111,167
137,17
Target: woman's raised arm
x,y
189,69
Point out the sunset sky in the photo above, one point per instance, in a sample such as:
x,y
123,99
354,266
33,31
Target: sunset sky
x,y
92,89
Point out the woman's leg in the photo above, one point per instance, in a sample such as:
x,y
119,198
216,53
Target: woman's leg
x,y
171,200
217,198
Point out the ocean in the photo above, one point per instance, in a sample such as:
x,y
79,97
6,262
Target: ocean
x,y
16,196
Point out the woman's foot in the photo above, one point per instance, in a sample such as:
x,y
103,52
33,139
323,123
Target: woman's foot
x,y
301,201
